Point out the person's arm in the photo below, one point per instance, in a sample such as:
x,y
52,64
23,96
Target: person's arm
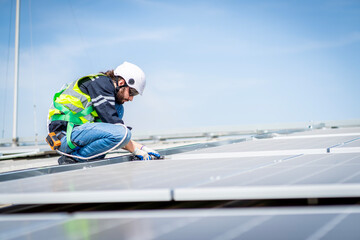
x,y
132,145
141,151
102,93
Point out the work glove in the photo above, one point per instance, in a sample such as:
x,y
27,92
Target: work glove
x,y
146,153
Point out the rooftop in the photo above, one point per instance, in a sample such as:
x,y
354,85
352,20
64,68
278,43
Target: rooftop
x,y
306,181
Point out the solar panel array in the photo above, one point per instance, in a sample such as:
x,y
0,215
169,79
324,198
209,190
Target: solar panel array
x,y
314,164
273,223
237,171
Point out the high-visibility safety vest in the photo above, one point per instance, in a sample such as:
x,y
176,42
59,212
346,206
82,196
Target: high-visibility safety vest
x,y
73,106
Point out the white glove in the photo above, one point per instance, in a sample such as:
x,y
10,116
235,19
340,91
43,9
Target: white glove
x,y
150,151
145,153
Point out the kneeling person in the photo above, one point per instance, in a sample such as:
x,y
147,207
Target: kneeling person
x,y
86,116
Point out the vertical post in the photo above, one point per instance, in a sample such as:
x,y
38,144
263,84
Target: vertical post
x,y
15,140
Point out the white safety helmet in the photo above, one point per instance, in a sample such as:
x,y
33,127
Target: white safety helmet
x,y
133,75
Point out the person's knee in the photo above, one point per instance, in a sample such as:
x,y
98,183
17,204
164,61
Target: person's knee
x,y
121,135
128,137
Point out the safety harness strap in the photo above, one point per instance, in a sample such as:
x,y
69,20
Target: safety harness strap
x,y
70,117
69,129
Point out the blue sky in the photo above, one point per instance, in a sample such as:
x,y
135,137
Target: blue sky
x,y
208,63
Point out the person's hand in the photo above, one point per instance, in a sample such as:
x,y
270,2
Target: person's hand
x,y
150,152
146,153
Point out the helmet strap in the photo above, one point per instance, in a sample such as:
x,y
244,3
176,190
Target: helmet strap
x,y
117,89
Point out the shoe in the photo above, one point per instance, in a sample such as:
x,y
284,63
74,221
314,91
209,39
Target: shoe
x,y
66,160
102,157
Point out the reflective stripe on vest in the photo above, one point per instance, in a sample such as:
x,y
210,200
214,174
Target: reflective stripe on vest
x,y
75,100
73,106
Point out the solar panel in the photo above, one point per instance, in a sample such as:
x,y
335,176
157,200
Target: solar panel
x,y
155,180
19,226
304,169
280,144
353,143
255,223
237,171
354,131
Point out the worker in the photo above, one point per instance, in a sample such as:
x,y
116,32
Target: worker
x,y
86,116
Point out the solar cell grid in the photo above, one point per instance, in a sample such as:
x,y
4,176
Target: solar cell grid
x,y
353,143
279,223
255,171
12,227
327,131
134,175
219,174
327,168
212,170
278,144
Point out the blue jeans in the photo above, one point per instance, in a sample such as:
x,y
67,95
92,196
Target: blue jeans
x,y
96,138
